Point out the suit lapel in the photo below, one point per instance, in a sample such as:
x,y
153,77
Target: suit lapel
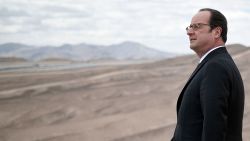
x,y
184,88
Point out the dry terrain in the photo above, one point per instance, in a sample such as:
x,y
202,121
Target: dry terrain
x,y
133,102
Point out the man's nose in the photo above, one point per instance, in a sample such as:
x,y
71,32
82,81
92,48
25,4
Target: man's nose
x,y
190,31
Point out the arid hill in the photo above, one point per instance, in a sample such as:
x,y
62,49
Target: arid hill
x,y
133,102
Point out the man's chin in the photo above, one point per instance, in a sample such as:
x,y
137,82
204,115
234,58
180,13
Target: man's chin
x,y
192,46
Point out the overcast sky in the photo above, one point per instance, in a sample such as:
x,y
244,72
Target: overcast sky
x,y
159,24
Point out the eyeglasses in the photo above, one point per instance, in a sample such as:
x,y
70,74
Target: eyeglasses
x,y
196,26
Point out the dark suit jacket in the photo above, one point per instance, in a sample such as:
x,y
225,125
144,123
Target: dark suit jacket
x,y
211,104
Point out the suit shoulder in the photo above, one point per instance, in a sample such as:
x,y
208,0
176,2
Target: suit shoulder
x,y
223,65
221,60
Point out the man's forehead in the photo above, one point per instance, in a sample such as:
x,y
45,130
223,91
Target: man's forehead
x,y
201,17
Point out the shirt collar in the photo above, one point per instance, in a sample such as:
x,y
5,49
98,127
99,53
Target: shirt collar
x,y
204,56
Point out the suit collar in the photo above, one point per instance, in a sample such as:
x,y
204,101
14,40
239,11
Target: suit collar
x,y
204,56
208,57
214,53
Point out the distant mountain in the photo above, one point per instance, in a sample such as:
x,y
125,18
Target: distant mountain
x,y
132,50
12,47
83,52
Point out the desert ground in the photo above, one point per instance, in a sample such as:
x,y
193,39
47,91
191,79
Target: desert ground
x,y
126,102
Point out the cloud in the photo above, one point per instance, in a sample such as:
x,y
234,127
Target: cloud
x,y
157,23
7,12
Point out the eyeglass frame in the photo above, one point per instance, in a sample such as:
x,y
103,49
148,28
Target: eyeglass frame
x,y
198,26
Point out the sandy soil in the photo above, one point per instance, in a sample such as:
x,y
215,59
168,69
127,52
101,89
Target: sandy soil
x,y
106,103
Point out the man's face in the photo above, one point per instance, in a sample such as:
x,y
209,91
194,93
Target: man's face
x,y
200,36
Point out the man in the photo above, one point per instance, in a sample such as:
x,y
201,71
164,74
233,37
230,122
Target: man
x,y
211,104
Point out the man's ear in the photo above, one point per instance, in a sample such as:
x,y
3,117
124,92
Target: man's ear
x,y
217,32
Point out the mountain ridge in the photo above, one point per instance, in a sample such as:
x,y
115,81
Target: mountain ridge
x,y
83,52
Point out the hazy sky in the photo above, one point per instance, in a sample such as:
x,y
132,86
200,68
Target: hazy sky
x,y
158,24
